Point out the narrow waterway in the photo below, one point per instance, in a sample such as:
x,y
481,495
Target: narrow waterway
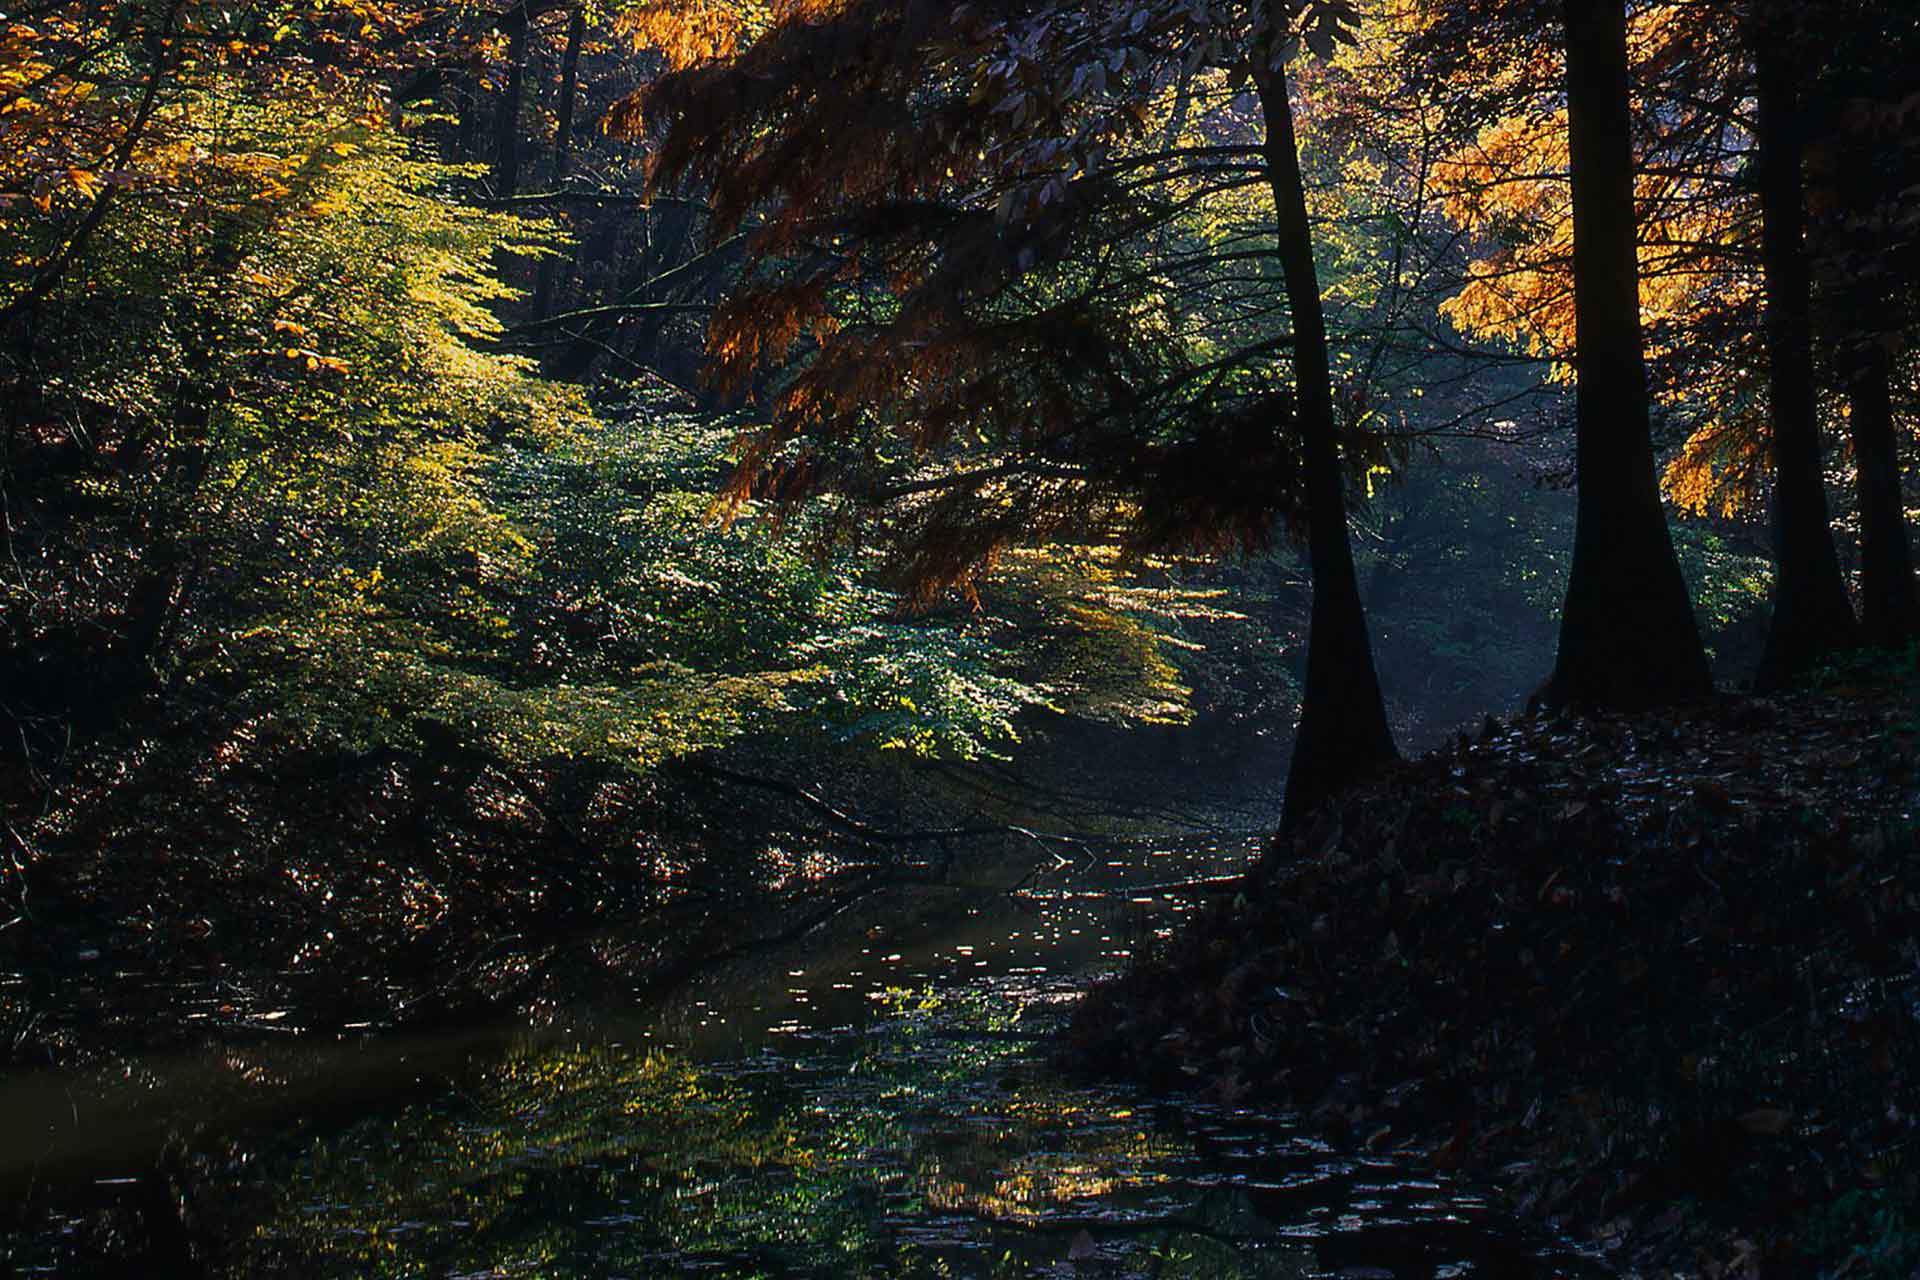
x,y
873,1101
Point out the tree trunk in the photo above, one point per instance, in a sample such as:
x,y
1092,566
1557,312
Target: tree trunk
x,y
1343,737
1889,605
562,149
1812,617
471,97
506,125
1628,638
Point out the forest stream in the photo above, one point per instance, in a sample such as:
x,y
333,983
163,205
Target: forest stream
x,y
874,1102
612,613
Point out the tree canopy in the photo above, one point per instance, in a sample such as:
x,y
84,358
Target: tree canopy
x,y
628,392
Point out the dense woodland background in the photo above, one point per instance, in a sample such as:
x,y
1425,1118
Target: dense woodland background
x,y
611,456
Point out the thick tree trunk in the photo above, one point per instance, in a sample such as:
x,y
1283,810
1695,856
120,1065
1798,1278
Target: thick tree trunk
x,y
1812,617
562,149
1889,605
506,125
1628,639
1343,737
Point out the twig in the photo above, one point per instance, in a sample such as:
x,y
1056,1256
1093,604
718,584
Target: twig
x,y
867,831
663,984
20,870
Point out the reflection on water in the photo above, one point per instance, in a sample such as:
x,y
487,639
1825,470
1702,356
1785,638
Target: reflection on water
x,y
932,1144
874,1105
1069,917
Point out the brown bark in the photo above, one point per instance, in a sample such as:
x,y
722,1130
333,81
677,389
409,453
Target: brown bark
x,y
1812,617
1344,737
1628,638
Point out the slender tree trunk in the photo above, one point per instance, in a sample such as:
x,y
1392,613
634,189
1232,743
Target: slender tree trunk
x,y
1343,737
472,98
506,124
562,149
1628,639
151,614
569,96
1889,605
1812,617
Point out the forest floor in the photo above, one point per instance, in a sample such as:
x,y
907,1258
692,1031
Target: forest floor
x,y
1654,979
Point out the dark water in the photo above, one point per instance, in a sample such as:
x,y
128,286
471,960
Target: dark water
x,y
872,1103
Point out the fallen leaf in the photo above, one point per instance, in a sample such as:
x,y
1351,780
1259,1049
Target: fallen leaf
x,y
1766,1120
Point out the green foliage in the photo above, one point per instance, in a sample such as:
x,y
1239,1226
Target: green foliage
x,y
1872,1233
382,528
635,574
1890,669
616,619
1730,588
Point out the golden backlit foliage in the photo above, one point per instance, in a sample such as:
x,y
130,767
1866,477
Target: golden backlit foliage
x,y
1698,221
1721,468
1510,187
52,124
102,101
687,32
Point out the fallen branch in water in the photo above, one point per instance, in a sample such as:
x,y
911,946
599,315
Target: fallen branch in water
x,y
1199,885
851,825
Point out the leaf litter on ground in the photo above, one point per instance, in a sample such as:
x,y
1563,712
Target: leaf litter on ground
x,y
1655,977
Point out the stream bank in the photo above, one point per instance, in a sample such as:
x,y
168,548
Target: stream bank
x,y
1654,977
877,1102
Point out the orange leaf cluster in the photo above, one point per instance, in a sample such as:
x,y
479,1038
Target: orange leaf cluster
x,y
1698,222
945,320
689,32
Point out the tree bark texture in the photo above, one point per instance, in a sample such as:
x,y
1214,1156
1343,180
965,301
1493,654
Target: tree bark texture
x,y
1344,737
562,148
1889,605
506,125
1812,616
1628,638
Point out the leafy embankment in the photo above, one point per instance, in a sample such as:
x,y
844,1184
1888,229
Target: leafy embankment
x,y
1654,976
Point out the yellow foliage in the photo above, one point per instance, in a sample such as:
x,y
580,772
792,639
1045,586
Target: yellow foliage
x,y
1721,467
688,32
1509,186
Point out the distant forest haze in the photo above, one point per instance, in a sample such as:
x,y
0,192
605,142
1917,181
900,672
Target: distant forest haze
x,y
663,430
